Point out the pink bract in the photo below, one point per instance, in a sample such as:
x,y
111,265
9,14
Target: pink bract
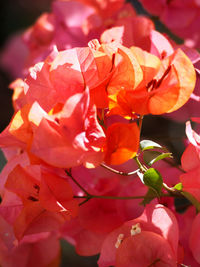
x,y
156,223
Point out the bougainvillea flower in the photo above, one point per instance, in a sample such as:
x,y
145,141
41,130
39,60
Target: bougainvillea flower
x,y
106,7
56,194
46,199
13,56
97,217
190,162
75,23
131,208
59,77
194,240
166,86
130,30
158,226
35,219
122,142
185,221
11,206
191,108
75,132
28,250
181,17
139,31
24,185
71,129
18,97
68,72
52,190
86,242
123,71
62,27
67,26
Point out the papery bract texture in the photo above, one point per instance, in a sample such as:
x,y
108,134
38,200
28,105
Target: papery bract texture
x,y
157,224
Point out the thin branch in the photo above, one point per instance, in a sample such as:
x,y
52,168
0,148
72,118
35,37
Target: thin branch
x,y
172,191
74,180
118,172
141,166
153,263
110,197
119,197
84,201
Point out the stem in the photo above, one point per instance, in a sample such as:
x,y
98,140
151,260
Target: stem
x,y
172,191
80,186
118,197
169,189
110,197
118,172
140,165
152,264
84,201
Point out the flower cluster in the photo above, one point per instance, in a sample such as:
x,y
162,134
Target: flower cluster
x,y
77,166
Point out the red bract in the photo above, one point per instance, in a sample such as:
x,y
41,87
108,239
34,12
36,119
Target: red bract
x,y
130,29
60,76
75,132
81,107
186,221
194,240
157,226
190,162
98,217
52,190
35,219
181,17
27,252
71,127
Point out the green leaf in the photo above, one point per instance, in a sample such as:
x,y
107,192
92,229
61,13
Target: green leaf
x,y
192,199
150,195
148,144
150,157
178,186
153,179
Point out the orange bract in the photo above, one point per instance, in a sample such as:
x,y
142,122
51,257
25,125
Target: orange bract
x,y
164,85
122,143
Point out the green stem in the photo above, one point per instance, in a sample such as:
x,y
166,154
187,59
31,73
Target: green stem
x,y
140,165
171,190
